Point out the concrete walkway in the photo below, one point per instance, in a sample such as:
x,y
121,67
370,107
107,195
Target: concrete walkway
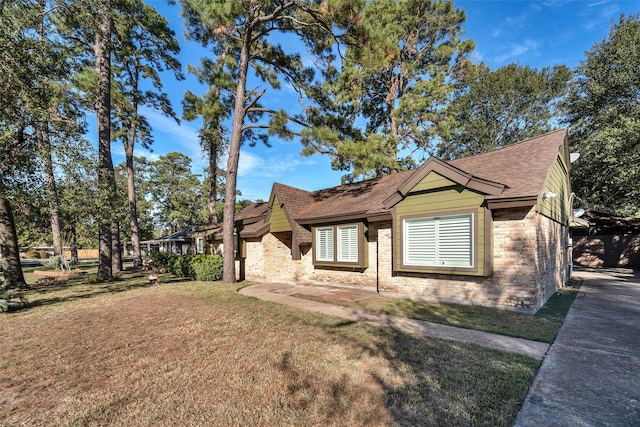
x,y
282,294
591,376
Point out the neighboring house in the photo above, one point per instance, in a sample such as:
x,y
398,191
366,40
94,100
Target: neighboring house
x,y
609,241
177,243
491,229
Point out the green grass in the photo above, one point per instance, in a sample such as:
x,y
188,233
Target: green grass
x,y
189,353
543,326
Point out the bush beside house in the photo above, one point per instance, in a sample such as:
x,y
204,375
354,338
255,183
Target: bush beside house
x,y
197,267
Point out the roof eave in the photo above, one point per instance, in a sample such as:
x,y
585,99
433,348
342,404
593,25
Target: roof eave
x,y
448,171
256,233
332,218
512,202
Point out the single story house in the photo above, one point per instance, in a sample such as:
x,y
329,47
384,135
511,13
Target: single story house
x,y
177,243
490,229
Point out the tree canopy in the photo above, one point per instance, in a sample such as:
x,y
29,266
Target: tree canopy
x,y
499,107
396,81
603,110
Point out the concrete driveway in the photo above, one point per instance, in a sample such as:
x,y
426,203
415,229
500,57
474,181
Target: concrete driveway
x,y
591,375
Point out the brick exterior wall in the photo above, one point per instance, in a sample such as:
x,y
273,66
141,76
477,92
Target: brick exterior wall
x,y
528,256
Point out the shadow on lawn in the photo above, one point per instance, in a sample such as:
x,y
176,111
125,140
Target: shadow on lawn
x,y
449,383
76,290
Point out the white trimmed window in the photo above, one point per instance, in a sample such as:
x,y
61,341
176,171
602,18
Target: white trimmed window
x,y
445,241
347,243
324,244
200,244
340,245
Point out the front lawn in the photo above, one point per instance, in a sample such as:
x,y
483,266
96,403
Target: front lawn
x,y
543,326
194,353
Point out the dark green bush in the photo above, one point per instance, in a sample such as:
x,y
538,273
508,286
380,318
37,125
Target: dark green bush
x,y
207,267
161,259
180,266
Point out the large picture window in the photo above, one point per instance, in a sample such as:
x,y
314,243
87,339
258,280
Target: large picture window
x,y
444,241
339,244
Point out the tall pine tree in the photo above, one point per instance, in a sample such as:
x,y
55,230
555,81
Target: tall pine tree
x,y
241,35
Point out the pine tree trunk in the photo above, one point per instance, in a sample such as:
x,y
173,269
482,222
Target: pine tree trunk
x,y
213,184
52,192
106,184
228,227
13,277
131,195
116,249
74,245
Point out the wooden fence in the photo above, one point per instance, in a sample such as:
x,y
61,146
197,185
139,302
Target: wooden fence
x,y
83,254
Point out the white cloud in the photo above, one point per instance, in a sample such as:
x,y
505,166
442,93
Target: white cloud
x,y
600,15
518,49
171,136
249,164
271,167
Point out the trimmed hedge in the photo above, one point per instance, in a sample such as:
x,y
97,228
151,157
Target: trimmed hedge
x,y
198,267
161,259
207,267
180,266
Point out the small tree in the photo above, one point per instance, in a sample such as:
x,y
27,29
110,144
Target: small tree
x,y
176,193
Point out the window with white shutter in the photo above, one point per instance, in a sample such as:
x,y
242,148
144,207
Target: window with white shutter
x,y
445,241
341,245
347,243
324,244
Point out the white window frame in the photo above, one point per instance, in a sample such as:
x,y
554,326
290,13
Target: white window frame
x,y
200,245
324,249
340,245
440,241
347,243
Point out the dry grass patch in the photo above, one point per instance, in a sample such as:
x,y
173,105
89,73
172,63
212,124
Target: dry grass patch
x,y
199,353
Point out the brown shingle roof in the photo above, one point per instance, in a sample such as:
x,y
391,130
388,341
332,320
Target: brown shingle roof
x,y
523,167
363,197
252,212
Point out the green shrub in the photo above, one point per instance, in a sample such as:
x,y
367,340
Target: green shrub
x,y
56,262
161,259
180,266
207,267
10,298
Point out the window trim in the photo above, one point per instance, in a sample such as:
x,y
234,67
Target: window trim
x,y
335,251
318,254
473,268
199,245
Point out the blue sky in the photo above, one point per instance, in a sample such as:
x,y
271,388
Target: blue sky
x,y
534,33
